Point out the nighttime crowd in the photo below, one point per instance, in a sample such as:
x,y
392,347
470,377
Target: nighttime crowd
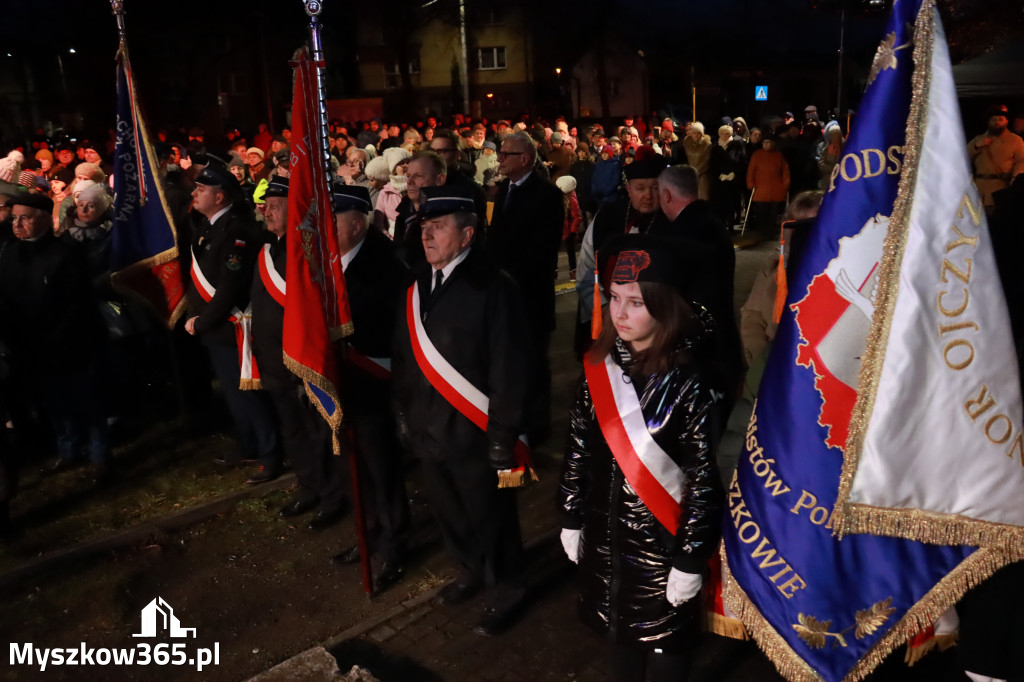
x,y
449,234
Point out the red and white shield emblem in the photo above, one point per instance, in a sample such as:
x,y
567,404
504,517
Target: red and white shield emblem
x,y
834,319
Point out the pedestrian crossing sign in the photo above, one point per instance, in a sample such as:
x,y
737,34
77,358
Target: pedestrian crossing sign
x,y
760,93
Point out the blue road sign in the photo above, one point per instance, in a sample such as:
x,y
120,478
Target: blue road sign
x,y
760,93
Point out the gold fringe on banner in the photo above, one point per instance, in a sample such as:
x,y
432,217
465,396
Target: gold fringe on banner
x,y
321,382
516,478
922,615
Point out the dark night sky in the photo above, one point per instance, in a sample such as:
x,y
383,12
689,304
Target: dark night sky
x,y
187,34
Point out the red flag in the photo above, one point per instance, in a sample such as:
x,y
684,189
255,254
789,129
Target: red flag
x,y
316,310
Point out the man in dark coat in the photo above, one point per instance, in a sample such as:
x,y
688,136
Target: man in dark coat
x,y
225,243
470,315
54,332
524,236
692,220
304,434
375,281
425,169
446,145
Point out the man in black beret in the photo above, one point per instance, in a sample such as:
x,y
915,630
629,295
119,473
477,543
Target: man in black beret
x,y
461,335
304,434
375,280
224,246
637,213
54,333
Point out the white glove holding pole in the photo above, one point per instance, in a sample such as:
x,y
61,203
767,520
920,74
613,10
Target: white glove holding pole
x,y
571,544
682,586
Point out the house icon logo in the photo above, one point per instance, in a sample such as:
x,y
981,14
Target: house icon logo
x,y
158,616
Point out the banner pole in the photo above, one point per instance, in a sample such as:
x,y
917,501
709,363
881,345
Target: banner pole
x,y
313,9
118,7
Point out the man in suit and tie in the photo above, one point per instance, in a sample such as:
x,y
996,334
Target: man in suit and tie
x,y
524,237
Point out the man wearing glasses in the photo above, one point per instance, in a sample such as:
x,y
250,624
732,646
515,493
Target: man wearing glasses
x,y
525,233
446,145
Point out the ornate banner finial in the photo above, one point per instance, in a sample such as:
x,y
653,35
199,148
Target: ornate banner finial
x,y
313,7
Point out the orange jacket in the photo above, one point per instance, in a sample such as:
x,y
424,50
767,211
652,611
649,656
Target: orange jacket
x,y
769,173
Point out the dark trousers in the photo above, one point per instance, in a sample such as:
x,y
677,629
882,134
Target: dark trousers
x,y
381,483
251,410
631,664
74,405
764,217
307,444
479,522
570,250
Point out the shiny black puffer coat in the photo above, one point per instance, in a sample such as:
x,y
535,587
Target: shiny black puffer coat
x,y
625,553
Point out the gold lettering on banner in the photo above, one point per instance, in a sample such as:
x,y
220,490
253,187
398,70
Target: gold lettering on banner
x,y
762,466
958,352
956,311
818,515
749,532
980,405
868,163
975,212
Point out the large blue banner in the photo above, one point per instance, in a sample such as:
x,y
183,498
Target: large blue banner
x,y
821,607
144,253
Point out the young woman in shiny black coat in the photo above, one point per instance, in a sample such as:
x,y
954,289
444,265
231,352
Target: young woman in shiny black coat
x,y
640,583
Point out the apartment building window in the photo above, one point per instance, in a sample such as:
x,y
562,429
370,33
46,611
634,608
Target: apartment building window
x,y
490,58
393,77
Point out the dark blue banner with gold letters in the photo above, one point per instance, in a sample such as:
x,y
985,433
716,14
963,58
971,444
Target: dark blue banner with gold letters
x,y
144,252
821,607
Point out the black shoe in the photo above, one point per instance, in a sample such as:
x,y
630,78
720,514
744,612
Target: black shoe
x,y
347,557
455,593
233,461
391,573
497,619
296,508
326,519
263,475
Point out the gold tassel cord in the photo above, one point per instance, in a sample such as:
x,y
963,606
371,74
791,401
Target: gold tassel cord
x,y
725,626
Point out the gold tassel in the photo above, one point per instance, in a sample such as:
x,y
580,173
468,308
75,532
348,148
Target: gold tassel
x,y
596,314
725,626
249,385
515,478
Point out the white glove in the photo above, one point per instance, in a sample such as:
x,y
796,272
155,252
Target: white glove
x,y
571,544
681,586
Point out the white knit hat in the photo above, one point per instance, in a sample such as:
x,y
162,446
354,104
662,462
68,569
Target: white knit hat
x,y
377,168
394,156
10,166
566,183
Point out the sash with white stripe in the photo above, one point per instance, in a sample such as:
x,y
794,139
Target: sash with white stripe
x,y
249,372
658,480
455,388
272,280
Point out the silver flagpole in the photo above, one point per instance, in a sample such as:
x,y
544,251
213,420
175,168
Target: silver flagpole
x,y
313,9
118,7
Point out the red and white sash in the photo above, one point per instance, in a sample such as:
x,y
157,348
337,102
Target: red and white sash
x,y
250,373
272,280
456,389
658,480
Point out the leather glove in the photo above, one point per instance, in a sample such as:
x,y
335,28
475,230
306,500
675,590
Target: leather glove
x,y
501,457
571,544
682,586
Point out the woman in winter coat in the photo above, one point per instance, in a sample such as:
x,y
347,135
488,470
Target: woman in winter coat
x,y
641,558
728,175
698,155
573,218
768,179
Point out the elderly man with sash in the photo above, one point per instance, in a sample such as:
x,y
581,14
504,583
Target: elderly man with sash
x,y
461,378
375,280
224,247
304,434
